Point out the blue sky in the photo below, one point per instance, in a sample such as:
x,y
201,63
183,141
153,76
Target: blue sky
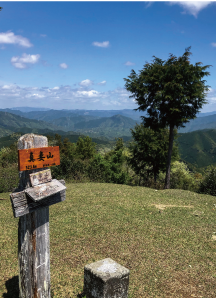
x,y
74,55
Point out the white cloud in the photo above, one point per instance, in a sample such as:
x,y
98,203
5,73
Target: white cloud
x,y
103,44
63,97
128,63
69,97
102,83
11,38
213,44
8,87
63,65
35,95
192,7
86,83
21,62
91,93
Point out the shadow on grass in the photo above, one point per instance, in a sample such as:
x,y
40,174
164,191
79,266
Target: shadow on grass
x,y
81,295
12,286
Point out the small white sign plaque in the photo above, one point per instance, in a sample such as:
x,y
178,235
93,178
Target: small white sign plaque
x,y
40,177
45,190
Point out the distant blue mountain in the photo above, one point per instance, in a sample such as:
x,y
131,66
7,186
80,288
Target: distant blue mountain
x,y
29,109
206,114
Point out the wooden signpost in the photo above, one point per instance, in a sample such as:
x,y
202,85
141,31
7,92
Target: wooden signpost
x,y
30,202
35,158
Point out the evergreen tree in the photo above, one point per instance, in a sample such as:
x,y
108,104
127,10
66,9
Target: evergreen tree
x,y
149,151
85,148
172,93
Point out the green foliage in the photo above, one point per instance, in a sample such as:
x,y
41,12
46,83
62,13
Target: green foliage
x,y
208,185
99,169
70,170
8,155
198,147
79,162
58,141
109,168
85,148
181,177
149,151
172,93
9,176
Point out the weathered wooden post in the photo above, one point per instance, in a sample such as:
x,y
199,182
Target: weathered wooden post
x,y
31,201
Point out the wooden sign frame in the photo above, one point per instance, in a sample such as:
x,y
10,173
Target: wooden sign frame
x,y
22,204
36,158
44,190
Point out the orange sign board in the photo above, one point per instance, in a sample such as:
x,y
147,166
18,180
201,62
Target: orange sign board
x,y
36,158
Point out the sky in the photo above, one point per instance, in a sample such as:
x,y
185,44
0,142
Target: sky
x,y
75,55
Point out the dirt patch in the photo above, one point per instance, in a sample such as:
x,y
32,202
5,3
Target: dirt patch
x,y
162,206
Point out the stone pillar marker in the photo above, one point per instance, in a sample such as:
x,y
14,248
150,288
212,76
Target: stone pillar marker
x,y
33,227
106,279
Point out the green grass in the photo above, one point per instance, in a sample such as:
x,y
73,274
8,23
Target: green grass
x,y
169,253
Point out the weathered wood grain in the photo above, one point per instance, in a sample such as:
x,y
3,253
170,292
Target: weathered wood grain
x,y
33,236
34,158
22,204
42,191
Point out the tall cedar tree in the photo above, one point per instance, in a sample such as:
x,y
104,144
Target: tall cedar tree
x,y
149,149
172,93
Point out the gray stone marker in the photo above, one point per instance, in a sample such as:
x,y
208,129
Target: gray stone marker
x,y
33,228
106,279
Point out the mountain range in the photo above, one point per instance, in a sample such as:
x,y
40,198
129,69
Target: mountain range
x,y
96,123
198,148
197,141
79,122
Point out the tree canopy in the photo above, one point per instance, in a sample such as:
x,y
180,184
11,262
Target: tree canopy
x,y
171,92
149,151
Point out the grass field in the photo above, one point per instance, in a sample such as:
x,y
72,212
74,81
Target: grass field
x,y
166,238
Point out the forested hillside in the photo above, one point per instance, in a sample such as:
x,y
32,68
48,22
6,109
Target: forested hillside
x,y
111,127
199,123
198,147
50,115
10,123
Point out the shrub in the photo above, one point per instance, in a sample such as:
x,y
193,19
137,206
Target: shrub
x,y
85,148
8,155
99,169
70,169
109,170
181,177
9,177
208,184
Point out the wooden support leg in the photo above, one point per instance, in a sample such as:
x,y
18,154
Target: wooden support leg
x,y
34,254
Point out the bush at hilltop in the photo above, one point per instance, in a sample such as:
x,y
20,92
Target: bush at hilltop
x,y
208,185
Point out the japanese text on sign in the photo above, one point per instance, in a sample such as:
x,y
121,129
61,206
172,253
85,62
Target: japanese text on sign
x,y
36,158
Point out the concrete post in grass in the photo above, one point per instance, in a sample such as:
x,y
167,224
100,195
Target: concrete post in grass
x,y
30,202
106,279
